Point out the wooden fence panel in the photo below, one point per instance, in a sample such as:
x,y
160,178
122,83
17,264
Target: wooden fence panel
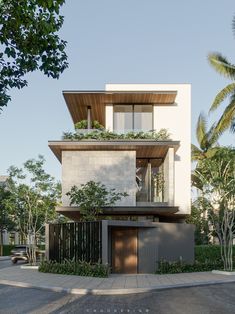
x,y
77,240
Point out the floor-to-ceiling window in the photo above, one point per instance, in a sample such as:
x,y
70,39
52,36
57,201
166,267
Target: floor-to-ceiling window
x,y
133,117
149,180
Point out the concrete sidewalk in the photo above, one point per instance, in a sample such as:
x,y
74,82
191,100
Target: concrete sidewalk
x,y
115,284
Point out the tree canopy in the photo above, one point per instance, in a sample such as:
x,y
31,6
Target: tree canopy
x,y
92,197
29,41
215,177
207,140
34,195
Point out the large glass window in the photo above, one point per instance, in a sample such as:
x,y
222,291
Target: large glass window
x,y
143,117
149,181
133,117
123,118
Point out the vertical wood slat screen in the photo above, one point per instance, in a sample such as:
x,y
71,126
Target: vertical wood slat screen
x,y
77,240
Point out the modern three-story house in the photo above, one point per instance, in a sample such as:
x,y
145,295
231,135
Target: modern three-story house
x,y
152,164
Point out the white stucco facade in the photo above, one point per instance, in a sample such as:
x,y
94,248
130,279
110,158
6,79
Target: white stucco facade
x,y
176,119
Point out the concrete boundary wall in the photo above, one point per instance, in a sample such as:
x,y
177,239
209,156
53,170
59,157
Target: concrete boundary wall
x,y
156,241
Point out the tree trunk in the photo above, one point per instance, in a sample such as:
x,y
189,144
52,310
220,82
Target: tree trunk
x,y
226,240
1,243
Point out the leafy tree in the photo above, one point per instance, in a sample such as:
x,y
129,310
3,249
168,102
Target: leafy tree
x,y
34,195
92,197
6,221
227,69
199,218
216,176
207,140
29,41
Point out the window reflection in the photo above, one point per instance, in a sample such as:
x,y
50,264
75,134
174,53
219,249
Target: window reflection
x,y
149,180
143,117
133,117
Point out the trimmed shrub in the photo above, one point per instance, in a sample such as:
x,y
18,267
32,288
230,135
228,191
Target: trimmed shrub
x,y
209,252
207,258
70,267
165,267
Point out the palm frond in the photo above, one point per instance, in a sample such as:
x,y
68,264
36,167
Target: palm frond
x,y
221,65
220,97
211,152
227,117
201,129
232,128
233,25
212,136
196,180
196,152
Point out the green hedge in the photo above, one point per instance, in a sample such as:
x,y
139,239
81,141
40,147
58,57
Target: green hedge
x,y
165,267
80,268
207,258
7,249
208,252
41,247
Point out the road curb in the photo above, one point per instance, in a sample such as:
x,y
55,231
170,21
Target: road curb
x,y
111,291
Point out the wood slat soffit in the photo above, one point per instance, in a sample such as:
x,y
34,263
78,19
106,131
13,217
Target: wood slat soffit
x,y
144,149
78,101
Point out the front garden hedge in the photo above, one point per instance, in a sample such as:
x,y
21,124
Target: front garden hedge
x,y
207,258
71,267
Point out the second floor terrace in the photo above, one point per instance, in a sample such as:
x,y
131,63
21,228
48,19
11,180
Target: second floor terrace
x,y
146,132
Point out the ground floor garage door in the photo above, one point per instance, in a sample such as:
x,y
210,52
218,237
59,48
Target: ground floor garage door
x,y
124,250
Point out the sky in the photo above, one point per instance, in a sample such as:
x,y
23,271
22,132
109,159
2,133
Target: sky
x,y
124,41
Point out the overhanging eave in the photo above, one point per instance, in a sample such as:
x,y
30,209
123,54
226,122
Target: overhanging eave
x,y
143,148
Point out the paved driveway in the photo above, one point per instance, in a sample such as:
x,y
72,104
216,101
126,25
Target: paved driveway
x,y
214,299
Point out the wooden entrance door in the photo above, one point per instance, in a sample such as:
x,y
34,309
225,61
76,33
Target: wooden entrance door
x,y
124,250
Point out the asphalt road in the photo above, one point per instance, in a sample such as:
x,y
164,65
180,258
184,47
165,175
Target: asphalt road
x,y
8,263
214,299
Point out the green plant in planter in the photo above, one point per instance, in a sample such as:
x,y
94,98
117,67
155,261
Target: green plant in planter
x,y
83,124
97,125
158,185
102,134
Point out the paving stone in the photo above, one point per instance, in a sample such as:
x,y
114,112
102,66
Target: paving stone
x,y
113,283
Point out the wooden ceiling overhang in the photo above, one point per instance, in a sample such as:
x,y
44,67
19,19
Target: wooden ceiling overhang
x,y
78,101
143,148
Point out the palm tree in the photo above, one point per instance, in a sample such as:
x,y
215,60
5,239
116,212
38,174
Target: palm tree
x,y
207,140
227,69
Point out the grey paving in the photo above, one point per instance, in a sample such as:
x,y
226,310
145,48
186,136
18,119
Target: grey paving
x,y
4,263
4,258
122,284
215,299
